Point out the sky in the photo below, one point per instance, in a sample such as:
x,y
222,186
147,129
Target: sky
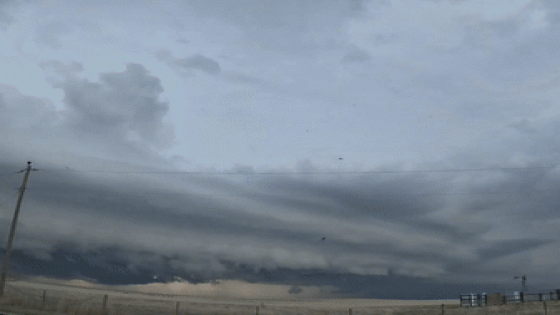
x,y
399,149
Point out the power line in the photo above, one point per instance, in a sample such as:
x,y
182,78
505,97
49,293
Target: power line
x,y
9,173
456,170
374,194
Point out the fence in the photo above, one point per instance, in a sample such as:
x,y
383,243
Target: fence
x,y
531,297
94,302
503,299
473,299
80,301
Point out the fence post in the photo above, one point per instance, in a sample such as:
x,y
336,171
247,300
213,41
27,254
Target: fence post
x,y
442,309
521,296
504,298
44,299
257,310
105,297
350,311
177,308
540,296
557,294
545,308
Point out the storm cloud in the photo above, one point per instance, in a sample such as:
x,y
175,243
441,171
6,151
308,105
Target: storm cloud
x,y
196,62
356,55
121,105
360,145
5,17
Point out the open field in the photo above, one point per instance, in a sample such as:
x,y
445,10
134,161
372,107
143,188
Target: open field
x,y
82,298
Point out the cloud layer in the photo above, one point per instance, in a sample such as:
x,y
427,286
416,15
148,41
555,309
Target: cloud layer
x,y
325,143
196,62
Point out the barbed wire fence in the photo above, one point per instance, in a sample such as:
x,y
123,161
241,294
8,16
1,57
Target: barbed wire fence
x,y
63,301
93,301
83,301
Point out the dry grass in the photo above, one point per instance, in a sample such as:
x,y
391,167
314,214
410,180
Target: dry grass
x,y
27,298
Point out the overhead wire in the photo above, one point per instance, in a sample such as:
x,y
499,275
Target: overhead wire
x,y
8,173
455,170
376,194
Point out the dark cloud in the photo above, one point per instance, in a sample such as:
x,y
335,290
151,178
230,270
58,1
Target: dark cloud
x,y
94,212
110,265
356,5
523,126
119,117
382,39
553,11
380,227
5,17
241,78
527,58
510,247
196,62
356,55
294,27
199,62
24,112
55,66
122,105
48,34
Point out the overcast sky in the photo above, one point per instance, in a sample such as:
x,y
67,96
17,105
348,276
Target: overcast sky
x,y
226,139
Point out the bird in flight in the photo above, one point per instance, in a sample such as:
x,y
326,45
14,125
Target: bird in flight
x,y
324,238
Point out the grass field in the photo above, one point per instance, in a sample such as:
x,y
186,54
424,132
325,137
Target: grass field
x,y
82,298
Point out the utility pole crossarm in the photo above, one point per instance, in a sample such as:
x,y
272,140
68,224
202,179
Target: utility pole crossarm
x,y
6,260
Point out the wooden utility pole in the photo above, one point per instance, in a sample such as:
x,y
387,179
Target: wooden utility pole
x,y
523,279
6,261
